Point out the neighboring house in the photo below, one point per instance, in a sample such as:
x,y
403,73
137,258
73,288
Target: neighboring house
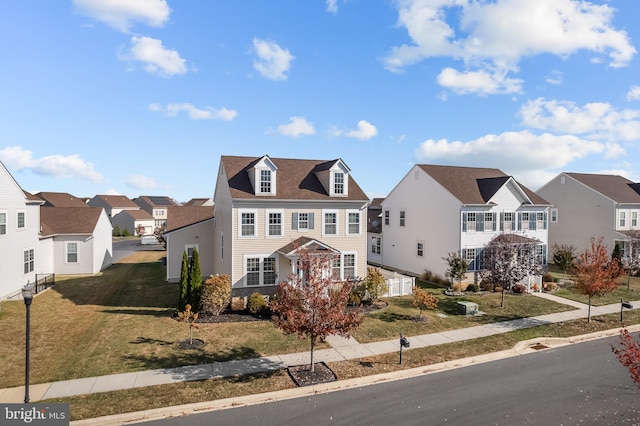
x,y
133,221
187,229
113,204
592,205
267,207
199,202
61,199
374,231
21,255
78,239
156,206
435,210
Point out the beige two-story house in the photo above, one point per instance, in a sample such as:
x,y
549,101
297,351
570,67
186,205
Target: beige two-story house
x,y
268,207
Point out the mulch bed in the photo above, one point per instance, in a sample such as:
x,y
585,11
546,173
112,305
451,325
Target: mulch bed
x,y
302,375
191,344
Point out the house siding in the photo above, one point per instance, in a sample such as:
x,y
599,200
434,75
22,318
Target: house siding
x,y
197,234
582,213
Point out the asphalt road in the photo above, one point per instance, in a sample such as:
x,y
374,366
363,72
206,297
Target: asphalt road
x,y
572,385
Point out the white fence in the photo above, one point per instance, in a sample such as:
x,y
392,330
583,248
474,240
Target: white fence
x,y
400,286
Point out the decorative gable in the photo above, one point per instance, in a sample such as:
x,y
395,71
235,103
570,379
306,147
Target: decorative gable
x,y
263,176
335,178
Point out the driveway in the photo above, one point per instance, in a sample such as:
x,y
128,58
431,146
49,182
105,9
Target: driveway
x,y
124,248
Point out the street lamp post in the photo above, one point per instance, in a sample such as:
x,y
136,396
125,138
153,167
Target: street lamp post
x,y
27,295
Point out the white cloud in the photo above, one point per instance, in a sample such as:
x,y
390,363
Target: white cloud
x,y
58,166
480,82
142,182
298,126
364,132
272,62
206,113
597,120
634,93
524,153
332,6
554,77
495,36
156,58
121,14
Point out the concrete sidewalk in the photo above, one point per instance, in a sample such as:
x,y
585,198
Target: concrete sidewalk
x,y
341,349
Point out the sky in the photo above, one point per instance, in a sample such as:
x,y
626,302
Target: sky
x,y
143,97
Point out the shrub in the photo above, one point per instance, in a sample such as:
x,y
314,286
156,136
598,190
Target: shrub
x,y
238,304
457,287
422,299
548,278
116,231
256,303
518,288
215,294
374,283
549,286
354,298
486,285
126,233
473,287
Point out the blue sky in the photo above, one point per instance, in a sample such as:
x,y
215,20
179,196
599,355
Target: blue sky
x,y
142,98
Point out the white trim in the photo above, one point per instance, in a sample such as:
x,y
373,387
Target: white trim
x,y
324,213
348,232
255,223
261,258
266,222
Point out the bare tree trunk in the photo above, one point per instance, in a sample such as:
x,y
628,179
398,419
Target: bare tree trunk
x,y
313,343
589,310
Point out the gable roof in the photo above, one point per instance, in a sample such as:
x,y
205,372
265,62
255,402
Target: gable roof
x,y
475,185
199,202
61,199
181,216
137,214
296,179
118,201
307,243
617,188
68,220
159,201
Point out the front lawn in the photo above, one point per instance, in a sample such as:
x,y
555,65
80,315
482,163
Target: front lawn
x,y
614,297
400,315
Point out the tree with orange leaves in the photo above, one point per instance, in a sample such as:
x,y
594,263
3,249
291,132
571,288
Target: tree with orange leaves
x,y
628,353
310,304
596,272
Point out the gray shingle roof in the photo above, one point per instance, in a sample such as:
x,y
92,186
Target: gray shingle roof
x,y
68,220
617,188
474,185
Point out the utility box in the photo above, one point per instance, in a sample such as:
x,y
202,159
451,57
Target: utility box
x,y
467,308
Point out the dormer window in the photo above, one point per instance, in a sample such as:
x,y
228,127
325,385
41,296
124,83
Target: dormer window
x,y
338,183
265,181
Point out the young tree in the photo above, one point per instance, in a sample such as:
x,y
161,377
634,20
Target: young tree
x,y
195,281
631,259
563,256
184,282
596,272
508,259
422,299
457,270
190,318
140,230
628,353
311,304
215,295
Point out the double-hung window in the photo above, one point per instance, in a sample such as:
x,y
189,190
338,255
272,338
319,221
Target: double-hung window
x,y
634,219
330,223
29,257
403,217
524,221
349,270
623,219
471,221
274,223
303,221
489,220
420,249
21,220
353,222
338,183
376,245
3,223
72,252
265,181
386,217
540,220
507,221
260,270
247,226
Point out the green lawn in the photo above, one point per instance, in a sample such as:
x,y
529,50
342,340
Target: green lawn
x,y
614,297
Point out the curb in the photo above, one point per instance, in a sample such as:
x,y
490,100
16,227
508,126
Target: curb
x,y
520,348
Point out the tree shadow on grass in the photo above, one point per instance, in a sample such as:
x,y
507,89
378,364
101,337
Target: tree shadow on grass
x,y
152,312
189,357
392,317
